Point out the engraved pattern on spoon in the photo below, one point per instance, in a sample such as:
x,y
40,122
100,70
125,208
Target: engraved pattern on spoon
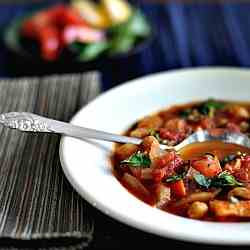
x,y
23,122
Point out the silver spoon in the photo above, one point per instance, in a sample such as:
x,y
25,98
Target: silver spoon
x,y
29,122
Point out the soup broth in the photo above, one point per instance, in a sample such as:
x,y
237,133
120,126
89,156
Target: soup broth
x,y
204,181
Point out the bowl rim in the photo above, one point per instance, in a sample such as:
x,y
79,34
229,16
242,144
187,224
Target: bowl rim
x,y
126,219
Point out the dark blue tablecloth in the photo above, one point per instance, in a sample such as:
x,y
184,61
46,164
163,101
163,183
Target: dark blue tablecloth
x,y
186,35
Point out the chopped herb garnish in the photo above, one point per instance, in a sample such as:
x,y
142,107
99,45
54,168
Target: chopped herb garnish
x,y
156,134
185,113
209,107
137,160
176,177
224,179
202,180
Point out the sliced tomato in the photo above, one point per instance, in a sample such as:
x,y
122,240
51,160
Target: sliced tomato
x,y
32,26
56,11
72,16
207,165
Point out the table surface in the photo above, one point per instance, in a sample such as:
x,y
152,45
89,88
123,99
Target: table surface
x,y
186,35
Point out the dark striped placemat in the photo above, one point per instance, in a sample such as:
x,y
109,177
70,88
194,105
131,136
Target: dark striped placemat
x,y
36,201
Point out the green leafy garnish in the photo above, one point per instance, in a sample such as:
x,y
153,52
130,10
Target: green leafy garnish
x,y
135,26
121,44
137,160
185,113
176,177
209,107
224,179
156,134
202,180
125,35
93,50
121,38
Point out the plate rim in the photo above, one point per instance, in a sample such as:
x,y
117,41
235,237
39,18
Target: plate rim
x,y
120,217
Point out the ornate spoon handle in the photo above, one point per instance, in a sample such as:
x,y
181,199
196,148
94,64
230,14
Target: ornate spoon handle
x,y
29,122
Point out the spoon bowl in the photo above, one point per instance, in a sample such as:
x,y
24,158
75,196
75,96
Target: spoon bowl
x,y
205,135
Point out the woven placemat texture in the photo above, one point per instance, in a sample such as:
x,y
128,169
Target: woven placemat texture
x,y
36,201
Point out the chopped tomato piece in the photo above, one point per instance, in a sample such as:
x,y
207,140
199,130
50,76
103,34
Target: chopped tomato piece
x,y
207,123
176,125
55,14
32,26
207,165
72,16
242,173
165,134
178,188
164,159
240,168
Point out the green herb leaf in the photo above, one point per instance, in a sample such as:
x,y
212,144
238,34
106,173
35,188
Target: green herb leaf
x,y
176,177
209,107
224,179
93,50
122,44
125,35
185,113
135,26
156,134
137,160
202,180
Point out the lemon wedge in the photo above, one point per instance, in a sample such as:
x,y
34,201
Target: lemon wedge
x,y
117,11
92,13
